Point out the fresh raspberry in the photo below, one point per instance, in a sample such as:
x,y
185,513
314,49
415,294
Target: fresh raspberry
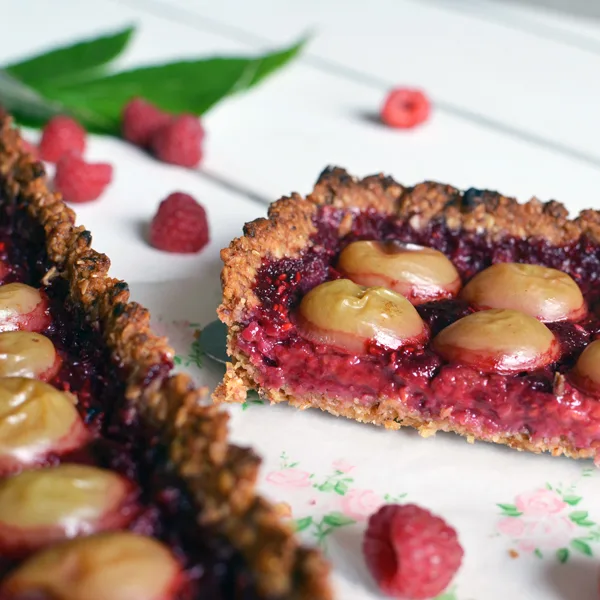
x,y
405,108
141,120
79,181
410,552
180,225
61,135
179,142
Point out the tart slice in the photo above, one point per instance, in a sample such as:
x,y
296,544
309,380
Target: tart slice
x,y
424,306
116,480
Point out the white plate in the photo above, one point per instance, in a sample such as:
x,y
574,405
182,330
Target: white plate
x,y
530,525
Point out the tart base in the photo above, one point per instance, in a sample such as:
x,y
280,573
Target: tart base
x,y
387,412
293,225
219,477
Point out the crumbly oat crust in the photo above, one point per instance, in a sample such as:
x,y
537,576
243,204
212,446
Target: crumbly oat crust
x,y
221,477
287,231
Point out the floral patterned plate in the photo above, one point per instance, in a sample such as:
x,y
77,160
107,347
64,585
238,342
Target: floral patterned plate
x,y
530,525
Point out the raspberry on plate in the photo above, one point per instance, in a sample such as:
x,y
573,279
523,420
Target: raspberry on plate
x,y
179,142
80,181
141,120
410,552
405,108
62,135
180,225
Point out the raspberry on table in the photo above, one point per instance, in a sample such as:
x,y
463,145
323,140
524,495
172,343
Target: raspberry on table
x,y
179,142
410,552
61,135
79,181
180,225
141,120
405,108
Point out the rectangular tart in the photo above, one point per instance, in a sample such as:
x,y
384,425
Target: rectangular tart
x,y
525,382
195,492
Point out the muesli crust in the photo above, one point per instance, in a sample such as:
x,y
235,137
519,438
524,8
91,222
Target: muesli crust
x,y
221,477
287,231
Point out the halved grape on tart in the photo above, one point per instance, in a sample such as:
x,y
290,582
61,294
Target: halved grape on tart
x,y
116,480
423,306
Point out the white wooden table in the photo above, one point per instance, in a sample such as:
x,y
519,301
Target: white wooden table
x,y
516,94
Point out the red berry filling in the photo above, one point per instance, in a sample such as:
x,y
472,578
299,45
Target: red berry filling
x,y
79,181
180,225
405,108
118,439
61,136
411,553
489,403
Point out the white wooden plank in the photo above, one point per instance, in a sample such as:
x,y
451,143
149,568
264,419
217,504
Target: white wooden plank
x,y
119,219
277,138
537,85
538,21
567,20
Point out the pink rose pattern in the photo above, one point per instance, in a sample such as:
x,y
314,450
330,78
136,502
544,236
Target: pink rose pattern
x,y
511,526
548,534
361,504
546,520
540,503
347,505
343,466
290,478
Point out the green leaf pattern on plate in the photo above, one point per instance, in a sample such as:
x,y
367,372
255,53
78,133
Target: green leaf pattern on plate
x,y
543,522
339,502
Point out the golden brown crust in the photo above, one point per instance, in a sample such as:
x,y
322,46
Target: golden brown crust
x,y
221,477
290,223
483,212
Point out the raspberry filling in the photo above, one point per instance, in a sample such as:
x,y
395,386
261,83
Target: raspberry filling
x,y
540,402
116,439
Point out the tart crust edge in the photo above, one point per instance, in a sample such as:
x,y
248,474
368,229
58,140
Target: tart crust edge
x,y
287,230
221,477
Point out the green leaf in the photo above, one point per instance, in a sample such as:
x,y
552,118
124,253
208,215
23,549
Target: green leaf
x,y
71,63
180,87
21,100
510,510
326,487
196,353
582,547
177,359
341,488
336,519
572,500
302,524
451,595
538,553
578,515
563,555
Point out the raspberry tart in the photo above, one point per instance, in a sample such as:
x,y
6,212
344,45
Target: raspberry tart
x,y
117,481
424,306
